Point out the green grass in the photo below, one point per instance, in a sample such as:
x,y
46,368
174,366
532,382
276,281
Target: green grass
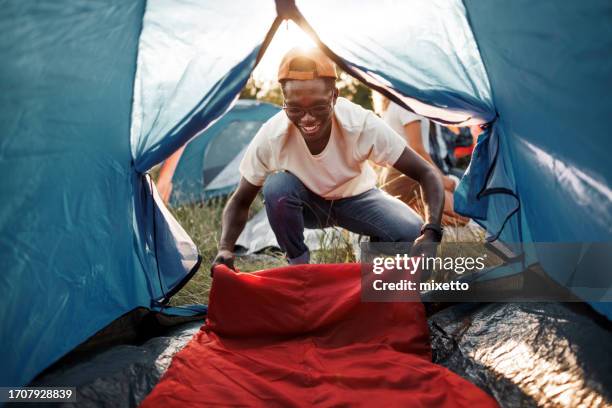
x,y
203,223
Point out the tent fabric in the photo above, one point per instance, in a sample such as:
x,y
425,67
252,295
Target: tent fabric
x,y
121,375
488,192
66,226
169,252
300,336
84,239
550,77
422,51
228,178
208,165
213,48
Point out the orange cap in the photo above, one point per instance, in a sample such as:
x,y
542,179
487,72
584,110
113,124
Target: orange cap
x,y
324,67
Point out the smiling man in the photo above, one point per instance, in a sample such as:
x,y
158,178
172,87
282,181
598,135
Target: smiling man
x,y
312,160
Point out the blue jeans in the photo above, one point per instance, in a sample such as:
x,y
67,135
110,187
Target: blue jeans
x,y
291,207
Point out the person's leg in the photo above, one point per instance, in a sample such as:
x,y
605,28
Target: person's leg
x,y
378,215
290,207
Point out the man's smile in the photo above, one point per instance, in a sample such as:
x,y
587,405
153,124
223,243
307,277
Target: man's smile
x,y
310,130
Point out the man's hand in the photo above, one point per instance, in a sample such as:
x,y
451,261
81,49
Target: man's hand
x,y
425,245
225,257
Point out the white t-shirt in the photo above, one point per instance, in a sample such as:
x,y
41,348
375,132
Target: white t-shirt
x,y
397,117
341,169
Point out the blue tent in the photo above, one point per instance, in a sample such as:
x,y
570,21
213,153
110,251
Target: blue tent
x,y
96,93
208,165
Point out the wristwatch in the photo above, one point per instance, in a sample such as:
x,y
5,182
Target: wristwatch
x,y
436,228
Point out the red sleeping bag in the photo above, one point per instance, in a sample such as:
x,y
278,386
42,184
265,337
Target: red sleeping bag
x,y
299,336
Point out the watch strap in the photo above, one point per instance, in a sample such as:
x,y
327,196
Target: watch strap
x,y
436,228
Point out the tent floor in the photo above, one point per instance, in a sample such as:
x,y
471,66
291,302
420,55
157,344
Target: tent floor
x,y
528,354
524,354
121,375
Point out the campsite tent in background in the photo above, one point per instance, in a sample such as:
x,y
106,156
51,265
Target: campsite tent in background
x,y
96,93
208,165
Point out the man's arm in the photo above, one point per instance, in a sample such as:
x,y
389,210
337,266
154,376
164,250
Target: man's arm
x,y
414,166
235,216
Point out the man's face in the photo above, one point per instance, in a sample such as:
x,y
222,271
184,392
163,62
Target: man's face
x,y
309,106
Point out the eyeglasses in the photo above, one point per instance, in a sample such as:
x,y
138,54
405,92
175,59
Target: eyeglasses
x,y
316,110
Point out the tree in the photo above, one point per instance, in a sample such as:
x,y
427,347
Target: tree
x,y
355,91
266,91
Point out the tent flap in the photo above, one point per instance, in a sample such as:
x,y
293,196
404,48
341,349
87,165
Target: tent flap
x,y
214,47
66,247
169,254
487,192
421,51
550,79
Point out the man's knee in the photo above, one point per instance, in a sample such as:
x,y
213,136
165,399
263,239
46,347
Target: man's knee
x,y
281,186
